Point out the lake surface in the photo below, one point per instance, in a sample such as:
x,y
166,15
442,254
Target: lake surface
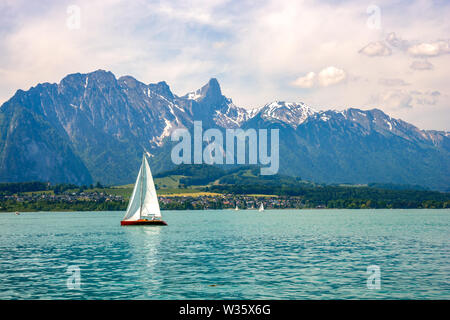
x,y
227,254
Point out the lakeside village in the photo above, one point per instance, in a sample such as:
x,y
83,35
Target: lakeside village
x,y
40,196
98,201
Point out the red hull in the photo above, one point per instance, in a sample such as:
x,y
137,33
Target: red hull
x,y
143,222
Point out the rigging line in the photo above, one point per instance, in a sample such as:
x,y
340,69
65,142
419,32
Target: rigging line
x,y
142,185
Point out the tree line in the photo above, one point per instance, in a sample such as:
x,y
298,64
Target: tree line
x,y
9,188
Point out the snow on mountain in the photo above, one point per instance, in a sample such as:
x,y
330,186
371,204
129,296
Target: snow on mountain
x,y
291,113
375,120
231,116
209,90
94,127
194,95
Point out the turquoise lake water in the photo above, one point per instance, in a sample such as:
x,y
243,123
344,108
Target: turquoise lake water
x,y
227,254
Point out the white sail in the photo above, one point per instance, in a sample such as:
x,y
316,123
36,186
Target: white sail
x,y
133,209
261,208
143,201
150,205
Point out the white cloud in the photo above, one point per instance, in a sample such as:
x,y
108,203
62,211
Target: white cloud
x,y
392,82
219,44
330,76
326,77
426,98
430,49
374,49
397,42
255,50
306,81
423,49
421,65
402,99
394,99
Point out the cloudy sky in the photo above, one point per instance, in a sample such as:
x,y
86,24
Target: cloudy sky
x,y
392,55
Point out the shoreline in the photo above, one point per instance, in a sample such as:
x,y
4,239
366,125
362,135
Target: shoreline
x,y
317,198
227,209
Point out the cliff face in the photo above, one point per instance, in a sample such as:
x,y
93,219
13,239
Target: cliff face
x,y
94,127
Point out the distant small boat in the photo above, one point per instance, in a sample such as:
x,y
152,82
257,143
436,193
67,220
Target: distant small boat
x,y
261,207
237,208
17,213
143,208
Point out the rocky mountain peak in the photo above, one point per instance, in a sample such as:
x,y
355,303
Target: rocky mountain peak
x,y
161,88
129,81
93,127
99,78
288,112
210,91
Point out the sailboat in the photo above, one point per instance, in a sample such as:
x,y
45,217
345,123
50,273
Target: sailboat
x,y
261,207
237,208
143,208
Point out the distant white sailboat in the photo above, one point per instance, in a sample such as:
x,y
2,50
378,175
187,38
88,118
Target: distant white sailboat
x,y
143,208
237,208
261,207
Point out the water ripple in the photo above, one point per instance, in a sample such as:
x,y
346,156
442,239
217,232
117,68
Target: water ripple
x,y
289,254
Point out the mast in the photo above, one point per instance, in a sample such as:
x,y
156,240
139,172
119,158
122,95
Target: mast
x,y
142,185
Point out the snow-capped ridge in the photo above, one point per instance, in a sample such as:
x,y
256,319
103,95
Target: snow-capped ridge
x,y
291,113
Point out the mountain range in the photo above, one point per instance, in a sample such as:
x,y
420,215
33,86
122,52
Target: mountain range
x,y
94,127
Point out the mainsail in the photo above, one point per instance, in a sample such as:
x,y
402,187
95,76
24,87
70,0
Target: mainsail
x,y
144,201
